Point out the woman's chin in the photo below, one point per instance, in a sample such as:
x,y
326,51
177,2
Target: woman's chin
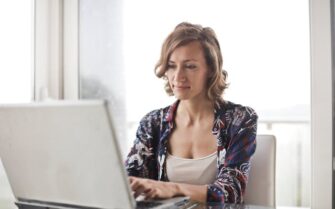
x,y
181,96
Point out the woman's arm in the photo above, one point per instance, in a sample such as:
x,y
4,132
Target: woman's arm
x,y
141,160
234,159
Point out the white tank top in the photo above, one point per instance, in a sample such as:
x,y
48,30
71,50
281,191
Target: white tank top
x,y
200,171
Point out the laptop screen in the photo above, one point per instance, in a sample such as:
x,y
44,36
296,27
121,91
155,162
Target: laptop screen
x,y
63,152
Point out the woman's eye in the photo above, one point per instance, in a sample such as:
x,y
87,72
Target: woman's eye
x,y
169,66
190,66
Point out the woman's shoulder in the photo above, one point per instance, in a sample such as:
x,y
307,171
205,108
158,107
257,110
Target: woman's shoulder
x,y
237,117
159,114
236,110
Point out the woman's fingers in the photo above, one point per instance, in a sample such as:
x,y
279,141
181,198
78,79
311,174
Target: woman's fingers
x,y
151,194
139,186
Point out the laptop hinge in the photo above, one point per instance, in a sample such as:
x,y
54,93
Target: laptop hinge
x,y
36,204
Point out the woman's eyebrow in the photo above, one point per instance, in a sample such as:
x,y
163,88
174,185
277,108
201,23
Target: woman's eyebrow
x,y
190,60
187,60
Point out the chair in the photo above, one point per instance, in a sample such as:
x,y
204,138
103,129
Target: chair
x,y
261,187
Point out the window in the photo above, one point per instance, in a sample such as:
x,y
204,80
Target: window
x,y
15,67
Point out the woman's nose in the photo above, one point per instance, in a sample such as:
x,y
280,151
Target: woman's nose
x,y
179,75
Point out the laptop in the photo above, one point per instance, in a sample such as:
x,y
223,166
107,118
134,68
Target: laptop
x,y
64,154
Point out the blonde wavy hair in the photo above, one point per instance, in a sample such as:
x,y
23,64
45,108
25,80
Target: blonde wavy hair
x,y
185,33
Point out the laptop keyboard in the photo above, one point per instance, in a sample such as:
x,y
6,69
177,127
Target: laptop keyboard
x,y
147,204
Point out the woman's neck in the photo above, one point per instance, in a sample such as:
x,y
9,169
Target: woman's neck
x,y
191,112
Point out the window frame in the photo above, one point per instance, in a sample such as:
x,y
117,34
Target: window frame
x,y
56,50
321,103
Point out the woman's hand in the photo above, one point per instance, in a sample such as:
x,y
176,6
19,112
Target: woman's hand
x,y
152,189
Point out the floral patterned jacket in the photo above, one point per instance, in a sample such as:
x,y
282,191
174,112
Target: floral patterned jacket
x,y
235,129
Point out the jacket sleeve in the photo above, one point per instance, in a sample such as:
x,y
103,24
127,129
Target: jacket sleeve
x,y
141,161
234,158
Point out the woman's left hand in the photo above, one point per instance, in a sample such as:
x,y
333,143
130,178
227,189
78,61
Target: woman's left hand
x,y
152,189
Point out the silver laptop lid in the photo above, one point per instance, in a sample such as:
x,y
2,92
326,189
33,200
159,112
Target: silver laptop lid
x,y
63,152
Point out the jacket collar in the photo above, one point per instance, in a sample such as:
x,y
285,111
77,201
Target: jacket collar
x,y
219,107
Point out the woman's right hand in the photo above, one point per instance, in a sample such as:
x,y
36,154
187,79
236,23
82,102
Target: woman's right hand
x,y
152,189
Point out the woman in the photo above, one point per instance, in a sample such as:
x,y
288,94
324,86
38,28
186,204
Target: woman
x,y
201,145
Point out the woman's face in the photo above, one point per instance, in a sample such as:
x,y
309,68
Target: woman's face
x,y
187,72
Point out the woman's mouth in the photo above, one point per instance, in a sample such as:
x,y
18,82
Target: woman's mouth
x,y
180,87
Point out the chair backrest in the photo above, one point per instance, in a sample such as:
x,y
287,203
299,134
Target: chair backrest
x,y
261,187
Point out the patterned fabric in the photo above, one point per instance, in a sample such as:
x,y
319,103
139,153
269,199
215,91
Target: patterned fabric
x,y
235,129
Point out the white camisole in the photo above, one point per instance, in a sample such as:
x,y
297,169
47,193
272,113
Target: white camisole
x,y
199,171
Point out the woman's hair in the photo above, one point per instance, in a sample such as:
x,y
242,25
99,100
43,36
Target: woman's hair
x,y
185,33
